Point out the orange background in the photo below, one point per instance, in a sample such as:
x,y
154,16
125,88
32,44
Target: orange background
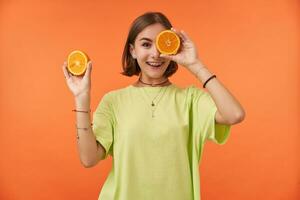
x,y
252,47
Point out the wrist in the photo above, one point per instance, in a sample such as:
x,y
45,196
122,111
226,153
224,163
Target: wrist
x,y
83,96
203,74
82,102
196,66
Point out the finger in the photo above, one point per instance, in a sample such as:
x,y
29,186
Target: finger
x,y
166,56
184,35
179,34
65,70
175,30
88,70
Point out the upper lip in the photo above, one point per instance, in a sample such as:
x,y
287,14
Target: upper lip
x,y
155,61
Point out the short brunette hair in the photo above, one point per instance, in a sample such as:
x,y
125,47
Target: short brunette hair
x,y
129,64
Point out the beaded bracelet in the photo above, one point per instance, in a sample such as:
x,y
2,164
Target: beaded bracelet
x,y
213,76
83,129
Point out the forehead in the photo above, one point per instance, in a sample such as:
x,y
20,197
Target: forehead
x,y
150,31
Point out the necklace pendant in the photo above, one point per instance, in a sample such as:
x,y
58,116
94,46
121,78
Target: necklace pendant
x,y
152,113
152,104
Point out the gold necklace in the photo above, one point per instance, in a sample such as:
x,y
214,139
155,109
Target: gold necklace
x,y
153,105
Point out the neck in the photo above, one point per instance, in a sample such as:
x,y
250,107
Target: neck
x,y
155,83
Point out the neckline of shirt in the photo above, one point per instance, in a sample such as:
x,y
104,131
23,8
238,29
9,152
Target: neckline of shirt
x,y
150,88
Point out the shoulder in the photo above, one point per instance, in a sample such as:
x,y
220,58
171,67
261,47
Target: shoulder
x,y
114,96
109,99
116,92
197,95
193,91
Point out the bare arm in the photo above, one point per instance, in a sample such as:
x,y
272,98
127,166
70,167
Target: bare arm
x,y
229,110
90,151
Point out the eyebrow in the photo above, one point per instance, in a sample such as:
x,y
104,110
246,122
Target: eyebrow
x,y
146,39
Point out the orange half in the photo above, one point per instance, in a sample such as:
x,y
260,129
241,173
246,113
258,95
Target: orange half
x,y
77,62
167,42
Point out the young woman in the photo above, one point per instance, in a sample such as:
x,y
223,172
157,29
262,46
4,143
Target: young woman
x,y
154,130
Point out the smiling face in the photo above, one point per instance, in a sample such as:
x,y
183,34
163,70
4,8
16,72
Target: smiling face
x,y
147,56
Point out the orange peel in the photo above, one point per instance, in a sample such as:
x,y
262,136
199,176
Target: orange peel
x,y
167,42
77,62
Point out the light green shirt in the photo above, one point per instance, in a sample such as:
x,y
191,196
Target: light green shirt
x,y
155,158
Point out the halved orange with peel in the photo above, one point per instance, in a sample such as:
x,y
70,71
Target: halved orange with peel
x,y
167,42
77,62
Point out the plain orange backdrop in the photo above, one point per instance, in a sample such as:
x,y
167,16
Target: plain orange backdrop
x,y
252,47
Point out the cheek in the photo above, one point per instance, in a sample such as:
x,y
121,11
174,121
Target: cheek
x,y
140,52
141,56
141,59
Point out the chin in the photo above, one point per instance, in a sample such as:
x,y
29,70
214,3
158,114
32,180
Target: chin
x,y
157,74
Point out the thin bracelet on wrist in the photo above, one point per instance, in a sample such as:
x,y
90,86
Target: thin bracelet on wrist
x,y
85,128
213,76
84,111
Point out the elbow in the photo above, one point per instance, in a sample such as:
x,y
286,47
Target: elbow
x,y
88,164
239,118
91,161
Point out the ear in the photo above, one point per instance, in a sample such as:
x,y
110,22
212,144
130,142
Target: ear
x,y
132,51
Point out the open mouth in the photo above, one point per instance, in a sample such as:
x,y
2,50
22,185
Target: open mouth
x,y
155,64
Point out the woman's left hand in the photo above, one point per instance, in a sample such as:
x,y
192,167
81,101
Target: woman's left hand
x,y
187,53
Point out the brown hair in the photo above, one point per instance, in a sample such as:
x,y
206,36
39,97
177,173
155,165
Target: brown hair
x,y
129,64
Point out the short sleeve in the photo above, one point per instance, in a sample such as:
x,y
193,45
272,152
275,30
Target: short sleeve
x,y
204,110
103,124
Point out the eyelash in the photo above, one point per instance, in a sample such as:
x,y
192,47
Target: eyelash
x,y
146,43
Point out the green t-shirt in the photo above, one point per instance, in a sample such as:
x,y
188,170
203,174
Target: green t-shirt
x,y
155,157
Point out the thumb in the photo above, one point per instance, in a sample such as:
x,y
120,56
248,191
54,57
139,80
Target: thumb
x,y
88,70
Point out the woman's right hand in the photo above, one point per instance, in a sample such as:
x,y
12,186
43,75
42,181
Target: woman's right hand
x,y
79,85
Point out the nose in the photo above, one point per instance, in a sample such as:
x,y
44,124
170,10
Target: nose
x,y
154,52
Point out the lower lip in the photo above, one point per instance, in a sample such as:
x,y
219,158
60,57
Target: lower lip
x,y
155,68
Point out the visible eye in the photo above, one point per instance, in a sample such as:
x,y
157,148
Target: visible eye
x,y
146,44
